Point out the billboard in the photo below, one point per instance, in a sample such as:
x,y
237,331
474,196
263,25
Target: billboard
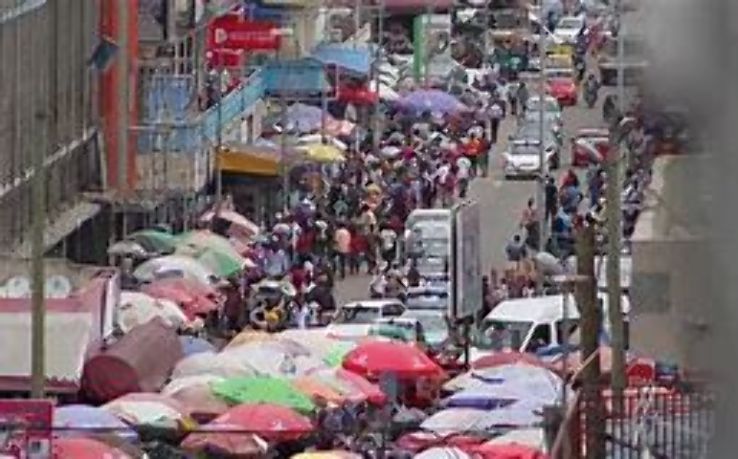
x,y
232,31
431,41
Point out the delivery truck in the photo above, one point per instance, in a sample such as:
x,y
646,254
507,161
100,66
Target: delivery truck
x,y
444,245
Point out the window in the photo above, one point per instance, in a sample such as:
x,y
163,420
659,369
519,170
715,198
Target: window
x,y
564,332
540,338
393,310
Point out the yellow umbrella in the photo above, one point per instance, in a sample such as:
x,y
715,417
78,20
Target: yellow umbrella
x,y
323,153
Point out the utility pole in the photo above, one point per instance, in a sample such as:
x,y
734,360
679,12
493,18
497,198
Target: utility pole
x,y
46,119
543,163
219,134
376,128
123,94
591,318
614,234
283,157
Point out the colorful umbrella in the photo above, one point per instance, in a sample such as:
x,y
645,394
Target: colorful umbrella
x,y
212,364
507,451
534,437
521,377
149,409
243,224
194,345
138,308
273,423
195,394
155,241
275,358
260,389
204,239
222,263
431,100
372,359
346,383
443,452
193,298
419,441
328,455
69,418
84,448
323,153
497,359
175,266
232,444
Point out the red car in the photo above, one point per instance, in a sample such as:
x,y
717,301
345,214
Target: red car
x,y
564,89
588,146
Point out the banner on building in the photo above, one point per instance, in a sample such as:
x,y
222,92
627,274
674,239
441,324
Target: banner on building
x,y
431,41
234,32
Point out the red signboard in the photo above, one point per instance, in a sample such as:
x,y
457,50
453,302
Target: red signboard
x,y
234,32
25,428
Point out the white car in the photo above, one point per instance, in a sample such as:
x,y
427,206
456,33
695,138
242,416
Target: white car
x,y
568,29
355,319
522,159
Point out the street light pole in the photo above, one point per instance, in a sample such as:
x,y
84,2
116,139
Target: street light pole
x,y
543,163
219,134
614,233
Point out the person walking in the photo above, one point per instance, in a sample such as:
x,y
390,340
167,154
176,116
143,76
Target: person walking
x,y
342,242
516,251
522,97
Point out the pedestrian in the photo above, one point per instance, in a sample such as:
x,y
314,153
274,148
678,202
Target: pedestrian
x,y
342,243
496,113
516,251
522,97
388,238
551,196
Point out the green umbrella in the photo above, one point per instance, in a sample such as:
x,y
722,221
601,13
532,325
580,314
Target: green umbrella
x,y
334,357
263,389
394,332
221,264
154,240
206,239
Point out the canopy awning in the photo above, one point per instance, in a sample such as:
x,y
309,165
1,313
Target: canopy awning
x,y
254,159
294,77
349,57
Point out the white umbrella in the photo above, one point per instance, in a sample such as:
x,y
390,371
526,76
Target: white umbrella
x,y
175,266
387,93
137,308
443,452
212,364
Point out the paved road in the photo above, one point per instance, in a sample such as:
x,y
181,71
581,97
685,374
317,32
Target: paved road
x,y
501,201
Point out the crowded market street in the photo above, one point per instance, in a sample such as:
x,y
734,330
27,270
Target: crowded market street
x,y
387,229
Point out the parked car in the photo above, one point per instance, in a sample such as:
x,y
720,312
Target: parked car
x,y
589,145
355,319
568,29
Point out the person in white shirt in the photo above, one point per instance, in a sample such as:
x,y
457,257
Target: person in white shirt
x,y
388,237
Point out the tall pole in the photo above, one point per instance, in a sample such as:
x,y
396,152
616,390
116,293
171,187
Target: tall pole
x,y
426,51
283,156
614,233
38,190
543,163
376,130
591,318
123,94
219,134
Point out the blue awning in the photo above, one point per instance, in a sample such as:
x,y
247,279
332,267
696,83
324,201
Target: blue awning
x,y
294,77
349,57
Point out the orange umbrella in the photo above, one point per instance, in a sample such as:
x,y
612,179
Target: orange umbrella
x,y
314,388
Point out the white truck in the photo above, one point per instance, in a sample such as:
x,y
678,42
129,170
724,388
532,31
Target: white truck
x,y
445,246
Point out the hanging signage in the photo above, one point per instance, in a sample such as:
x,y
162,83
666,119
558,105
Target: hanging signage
x,y
26,431
431,41
234,32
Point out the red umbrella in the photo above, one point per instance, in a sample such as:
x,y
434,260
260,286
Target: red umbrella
x,y
508,358
507,451
194,299
84,448
270,422
244,446
371,359
416,442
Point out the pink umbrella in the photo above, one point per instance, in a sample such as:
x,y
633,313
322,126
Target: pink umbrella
x,y
193,298
507,451
84,448
507,358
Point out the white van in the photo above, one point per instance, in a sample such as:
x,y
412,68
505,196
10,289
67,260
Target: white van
x,y
530,324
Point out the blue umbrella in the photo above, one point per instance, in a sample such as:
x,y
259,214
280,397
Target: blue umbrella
x,y
194,345
304,118
75,420
431,100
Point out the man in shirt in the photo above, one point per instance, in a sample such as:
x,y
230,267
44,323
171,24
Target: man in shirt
x,y
388,238
342,241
